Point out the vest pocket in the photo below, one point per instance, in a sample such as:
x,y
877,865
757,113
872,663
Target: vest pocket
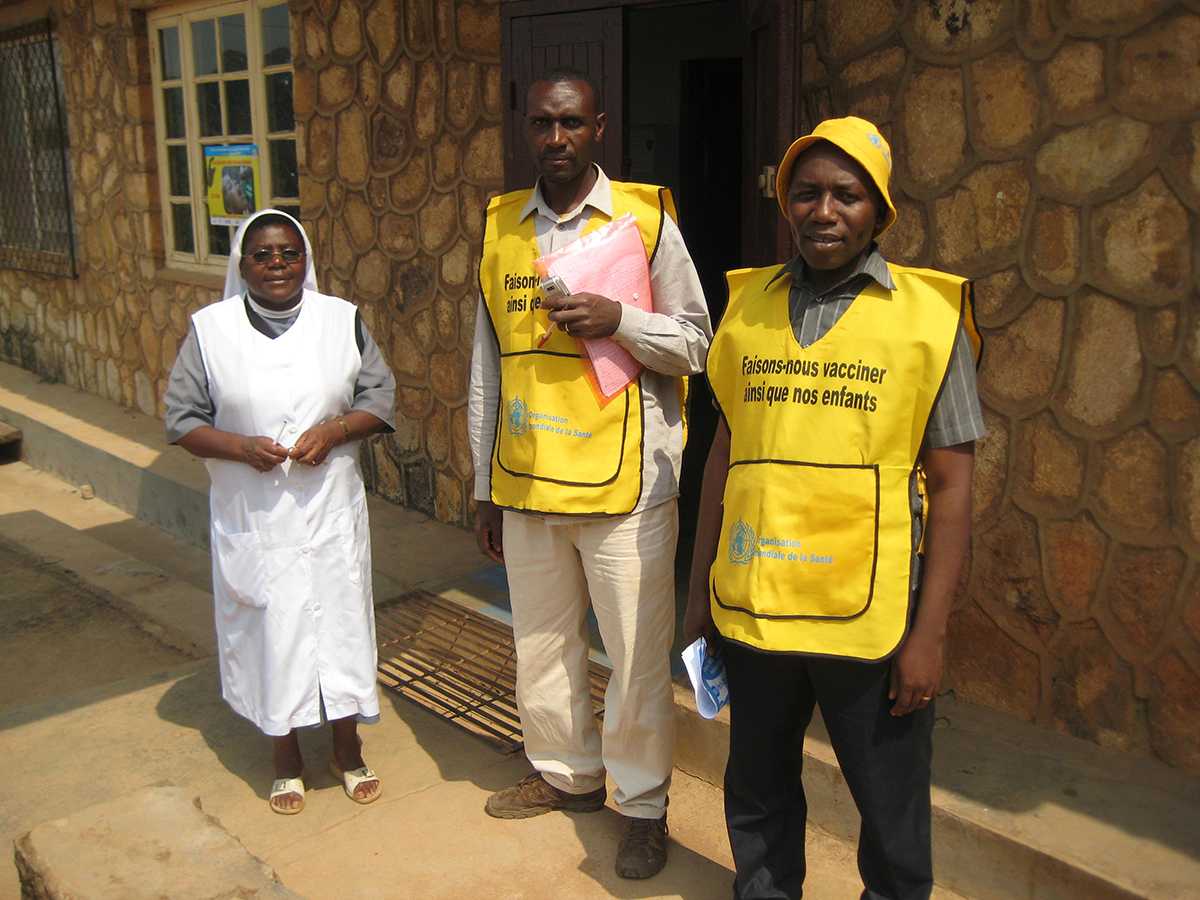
x,y
239,565
799,540
552,428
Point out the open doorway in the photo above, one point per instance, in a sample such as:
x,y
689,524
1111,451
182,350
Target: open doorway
x,y
683,129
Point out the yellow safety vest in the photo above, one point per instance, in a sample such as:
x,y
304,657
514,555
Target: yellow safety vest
x,y
816,537
558,449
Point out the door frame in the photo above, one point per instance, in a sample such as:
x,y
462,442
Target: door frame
x,y
786,17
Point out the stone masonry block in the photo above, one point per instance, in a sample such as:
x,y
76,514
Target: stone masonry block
x,y
1111,16
851,27
1174,725
478,28
1022,359
398,84
1187,490
462,95
885,64
1091,689
346,33
986,666
991,468
438,221
1174,406
1050,464
982,219
1182,164
1158,70
1007,579
1036,31
353,160
156,842
411,185
1054,246
1000,297
1104,373
1005,101
1089,161
1074,80
368,83
934,126
1141,591
1132,489
335,87
905,241
1141,245
1073,560
427,110
383,29
954,30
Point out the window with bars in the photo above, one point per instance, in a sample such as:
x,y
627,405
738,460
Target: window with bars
x,y
36,233
222,77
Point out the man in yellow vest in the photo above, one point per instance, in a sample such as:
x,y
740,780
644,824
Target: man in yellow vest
x,y
834,518
577,497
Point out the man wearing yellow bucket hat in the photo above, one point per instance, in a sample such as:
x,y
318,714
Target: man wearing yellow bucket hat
x,y
835,517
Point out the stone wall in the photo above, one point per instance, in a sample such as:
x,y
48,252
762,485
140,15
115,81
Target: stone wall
x,y
398,108
115,329
1050,149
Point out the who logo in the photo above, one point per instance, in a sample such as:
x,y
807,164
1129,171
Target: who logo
x,y
518,417
743,543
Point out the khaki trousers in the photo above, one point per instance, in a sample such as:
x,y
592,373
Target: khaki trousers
x,y
625,565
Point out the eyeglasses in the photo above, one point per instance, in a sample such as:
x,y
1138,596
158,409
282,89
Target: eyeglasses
x,y
289,255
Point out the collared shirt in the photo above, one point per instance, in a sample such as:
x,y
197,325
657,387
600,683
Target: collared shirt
x,y
670,342
956,417
189,402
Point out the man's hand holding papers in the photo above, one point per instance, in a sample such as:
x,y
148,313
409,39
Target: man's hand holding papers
x,y
584,315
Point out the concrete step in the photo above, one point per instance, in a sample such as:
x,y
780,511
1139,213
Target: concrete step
x,y
122,457
10,442
1019,812
156,842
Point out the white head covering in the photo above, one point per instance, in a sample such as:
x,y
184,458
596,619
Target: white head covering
x,y
235,284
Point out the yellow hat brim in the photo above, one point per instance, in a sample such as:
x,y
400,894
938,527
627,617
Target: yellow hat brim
x,y
854,147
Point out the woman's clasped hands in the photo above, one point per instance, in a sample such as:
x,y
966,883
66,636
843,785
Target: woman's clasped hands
x,y
310,449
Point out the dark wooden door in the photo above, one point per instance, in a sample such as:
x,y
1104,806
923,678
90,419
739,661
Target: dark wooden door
x,y
589,41
770,122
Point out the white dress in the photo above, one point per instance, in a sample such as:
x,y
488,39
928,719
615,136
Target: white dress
x,y
291,547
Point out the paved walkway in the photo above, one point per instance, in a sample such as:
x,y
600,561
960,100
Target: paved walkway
x,y
108,700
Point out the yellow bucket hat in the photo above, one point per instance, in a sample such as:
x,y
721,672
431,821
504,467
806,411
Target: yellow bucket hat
x,y
860,140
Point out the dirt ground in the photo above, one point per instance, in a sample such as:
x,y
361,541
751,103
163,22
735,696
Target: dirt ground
x,y
58,635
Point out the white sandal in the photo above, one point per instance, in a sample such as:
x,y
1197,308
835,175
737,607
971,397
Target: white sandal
x,y
353,778
281,787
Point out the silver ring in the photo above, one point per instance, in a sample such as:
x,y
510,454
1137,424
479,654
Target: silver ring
x,y
567,328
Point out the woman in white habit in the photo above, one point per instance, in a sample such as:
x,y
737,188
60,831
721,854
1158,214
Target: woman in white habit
x,y
274,387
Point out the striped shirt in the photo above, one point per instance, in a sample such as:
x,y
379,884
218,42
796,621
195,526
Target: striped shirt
x,y
956,417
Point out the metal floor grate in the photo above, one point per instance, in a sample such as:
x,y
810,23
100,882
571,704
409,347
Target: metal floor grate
x,y
458,664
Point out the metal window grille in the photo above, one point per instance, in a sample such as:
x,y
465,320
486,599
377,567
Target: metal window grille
x,y
36,233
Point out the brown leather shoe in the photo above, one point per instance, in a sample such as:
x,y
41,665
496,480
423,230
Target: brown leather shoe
x,y
643,850
532,796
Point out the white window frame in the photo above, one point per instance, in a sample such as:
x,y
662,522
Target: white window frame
x,y
180,16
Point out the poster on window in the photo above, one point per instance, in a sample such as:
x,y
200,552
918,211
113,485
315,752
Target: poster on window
x,y
231,174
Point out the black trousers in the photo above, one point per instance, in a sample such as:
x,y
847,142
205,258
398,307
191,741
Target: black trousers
x,y
885,760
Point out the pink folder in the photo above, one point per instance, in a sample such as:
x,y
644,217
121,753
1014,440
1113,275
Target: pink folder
x,y
610,261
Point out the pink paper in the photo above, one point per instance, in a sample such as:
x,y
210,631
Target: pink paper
x,y
611,262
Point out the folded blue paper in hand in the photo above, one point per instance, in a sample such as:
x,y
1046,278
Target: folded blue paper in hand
x,y
707,673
